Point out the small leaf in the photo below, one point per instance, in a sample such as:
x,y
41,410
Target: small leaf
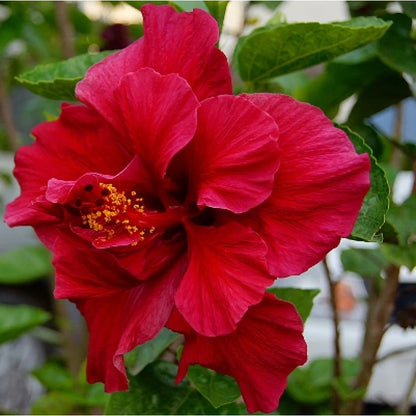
x,y
54,376
275,50
376,203
400,255
217,10
24,264
312,384
142,355
403,218
364,262
388,89
219,389
343,80
301,298
58,80
189,5
345,391
18,319
396,48
58,403
153,392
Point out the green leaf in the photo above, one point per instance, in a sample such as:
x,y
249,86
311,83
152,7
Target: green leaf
x,y
153,392
409,7
376,140
217,388
18,319
58,403
217,10
358,56
400,255
275,50
301,298
144,354
190,5
364,262
312,384
345,391
24,264
389,233
387,90
376,203
343,80
291,83
396,48
93,394
57,80
54,376
138,4
288,84
403,218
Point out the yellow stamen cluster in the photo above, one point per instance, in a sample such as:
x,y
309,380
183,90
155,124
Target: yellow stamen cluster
x,y
111,213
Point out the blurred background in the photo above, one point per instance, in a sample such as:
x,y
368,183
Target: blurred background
x,y
41,32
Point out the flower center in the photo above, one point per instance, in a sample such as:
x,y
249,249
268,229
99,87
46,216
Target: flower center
x,y
113,213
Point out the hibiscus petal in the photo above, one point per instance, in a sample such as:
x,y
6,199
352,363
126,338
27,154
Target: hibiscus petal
x,y
82,272
318,190
182,43
264,349
63,149
227,273
120,322
185,43
155,255
159,112
234,155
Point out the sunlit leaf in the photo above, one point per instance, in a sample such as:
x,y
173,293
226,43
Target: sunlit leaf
x,y
217,10
57,80
278,49
301,298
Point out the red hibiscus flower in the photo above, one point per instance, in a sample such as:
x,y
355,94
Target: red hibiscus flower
x,y
167,201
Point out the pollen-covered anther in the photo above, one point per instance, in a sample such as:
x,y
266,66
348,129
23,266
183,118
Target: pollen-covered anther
x,y
114,213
